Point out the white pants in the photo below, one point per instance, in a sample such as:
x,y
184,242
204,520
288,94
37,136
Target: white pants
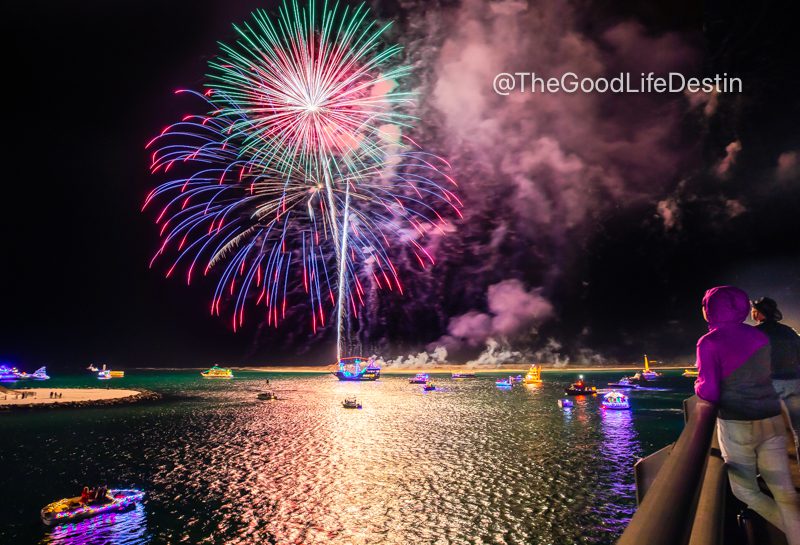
x,y
753,447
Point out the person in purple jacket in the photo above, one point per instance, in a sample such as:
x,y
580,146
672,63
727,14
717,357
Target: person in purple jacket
x,y
733,362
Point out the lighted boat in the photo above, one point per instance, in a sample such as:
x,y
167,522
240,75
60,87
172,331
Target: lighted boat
x,y
429,386
419,378
217,372
615,400
580,388
9,374
624,382
507,383
534,375
104,375
565,403
351,403
692,373
647,373
463,375
73,509
117,374
40,374
267,396
92,368
353,369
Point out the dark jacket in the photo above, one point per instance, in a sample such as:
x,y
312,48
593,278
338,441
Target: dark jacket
x,y
733,360
785,343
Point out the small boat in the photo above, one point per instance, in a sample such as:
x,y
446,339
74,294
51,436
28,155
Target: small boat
x,y
429,386
507,383
92,368
616,400
691,373
40,374
267,396
419,378
9,374
580,388
217,372
73,509
463,375
351,403
565,403
534,375
350,369
514,379
104,375
647,373
624,382
117,374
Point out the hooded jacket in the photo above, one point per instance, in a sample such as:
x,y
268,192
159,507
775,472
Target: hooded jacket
x,y
733,359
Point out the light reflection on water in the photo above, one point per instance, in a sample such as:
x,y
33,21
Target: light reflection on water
x,y
126,528
465,464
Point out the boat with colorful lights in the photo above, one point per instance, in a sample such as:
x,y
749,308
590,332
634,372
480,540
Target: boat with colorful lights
x,y
429,386
616,401
419,378
624,382
351,403
73,509
565,403
507,383
647,373
39,374
353,369
691,373
217,372
580,388
9,374
463,375
534,375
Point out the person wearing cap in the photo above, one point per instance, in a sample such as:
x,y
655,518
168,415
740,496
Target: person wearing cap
x,y
733,365
785,359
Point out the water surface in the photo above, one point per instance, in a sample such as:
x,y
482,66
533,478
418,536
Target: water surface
x,y
469,463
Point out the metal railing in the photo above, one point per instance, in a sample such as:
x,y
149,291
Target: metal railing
x,y
665,515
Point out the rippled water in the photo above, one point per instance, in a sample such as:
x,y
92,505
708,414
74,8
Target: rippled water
x,y
467,464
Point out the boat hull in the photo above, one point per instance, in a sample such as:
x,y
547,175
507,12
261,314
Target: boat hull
x,y
71,510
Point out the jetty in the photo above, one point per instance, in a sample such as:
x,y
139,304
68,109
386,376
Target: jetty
x,y
683,493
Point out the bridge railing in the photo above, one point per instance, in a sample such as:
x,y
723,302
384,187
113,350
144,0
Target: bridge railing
x,y
666,513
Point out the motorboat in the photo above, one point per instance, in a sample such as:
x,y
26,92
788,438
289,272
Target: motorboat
x,y
73,509
624,382
419,378
565,403
579,388
429,387
218,373
463,375
517,378
267,396
117,374
647,373
353,369
507,383
9,374
615,400
351,403
534,375
691,373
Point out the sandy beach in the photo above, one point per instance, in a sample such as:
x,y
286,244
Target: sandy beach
x,y
69,395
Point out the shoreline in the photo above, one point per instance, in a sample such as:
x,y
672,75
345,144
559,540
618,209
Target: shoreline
x,y
71,398
445,369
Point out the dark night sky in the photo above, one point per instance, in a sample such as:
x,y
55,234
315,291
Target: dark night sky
x,y
89,83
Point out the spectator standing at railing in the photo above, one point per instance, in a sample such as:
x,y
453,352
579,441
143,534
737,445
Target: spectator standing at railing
x,y
734,372
785,359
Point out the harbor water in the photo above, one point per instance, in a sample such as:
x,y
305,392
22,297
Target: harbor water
x,y
467,463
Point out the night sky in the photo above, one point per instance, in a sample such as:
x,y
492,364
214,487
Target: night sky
x,y
714,198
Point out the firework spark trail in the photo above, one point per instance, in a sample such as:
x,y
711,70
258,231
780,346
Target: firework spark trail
x,y
298,160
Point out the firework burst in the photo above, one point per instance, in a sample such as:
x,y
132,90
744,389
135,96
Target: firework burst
x,y
297,170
